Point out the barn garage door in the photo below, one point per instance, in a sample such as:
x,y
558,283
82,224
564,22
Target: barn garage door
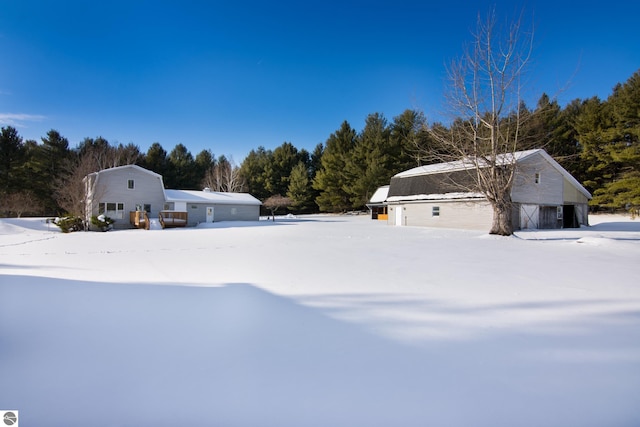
x,y
550,217
529,217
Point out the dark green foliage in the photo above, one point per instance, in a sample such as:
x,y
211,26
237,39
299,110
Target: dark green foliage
x,y
252,171
12,161
181,170
103,223
48,165
69,223
300,192
332,179
609,133
156,160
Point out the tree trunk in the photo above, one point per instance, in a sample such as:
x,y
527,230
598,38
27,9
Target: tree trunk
x,y
502,224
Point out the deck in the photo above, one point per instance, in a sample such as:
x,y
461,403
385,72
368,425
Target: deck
x,y
170,219
139,219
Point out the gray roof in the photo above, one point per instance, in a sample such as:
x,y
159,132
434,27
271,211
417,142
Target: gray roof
x,y
215,197
455,179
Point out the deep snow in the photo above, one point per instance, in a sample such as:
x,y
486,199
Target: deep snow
x,y
320,321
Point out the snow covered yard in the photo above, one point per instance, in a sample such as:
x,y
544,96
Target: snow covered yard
x,y
320,321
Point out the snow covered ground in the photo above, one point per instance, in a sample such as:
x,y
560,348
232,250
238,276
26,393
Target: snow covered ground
x,y
320,321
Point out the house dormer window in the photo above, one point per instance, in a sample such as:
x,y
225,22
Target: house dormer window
x,y
537,178
130,184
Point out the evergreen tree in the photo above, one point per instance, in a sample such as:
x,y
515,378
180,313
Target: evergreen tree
x,y
156,160
371,162
252,172
619,148
332,180
300,191
591,125
409,139
203,162
278,169
12,158
180,172
50,163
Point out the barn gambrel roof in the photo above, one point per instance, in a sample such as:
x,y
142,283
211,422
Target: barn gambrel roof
x,y
445,180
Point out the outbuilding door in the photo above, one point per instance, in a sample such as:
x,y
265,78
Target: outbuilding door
x,y
398,215
529,217
209,213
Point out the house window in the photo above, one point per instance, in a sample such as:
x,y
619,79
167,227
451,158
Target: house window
x,y
435,211
112,210
147,208
130,184
537,178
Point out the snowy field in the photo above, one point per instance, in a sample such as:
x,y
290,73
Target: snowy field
x,y
324,321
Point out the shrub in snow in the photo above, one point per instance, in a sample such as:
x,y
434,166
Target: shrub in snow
x,y
69,223
104,223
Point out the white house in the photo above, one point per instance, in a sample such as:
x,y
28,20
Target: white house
x,y
132,195
544,195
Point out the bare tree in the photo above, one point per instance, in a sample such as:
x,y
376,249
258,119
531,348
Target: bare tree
x,y
224,176
276,202
71,189
485,97
21,203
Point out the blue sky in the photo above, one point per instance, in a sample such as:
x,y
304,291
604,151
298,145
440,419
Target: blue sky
x,y
231,76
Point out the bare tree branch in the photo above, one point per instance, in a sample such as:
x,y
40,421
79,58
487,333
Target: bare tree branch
x,y
485,99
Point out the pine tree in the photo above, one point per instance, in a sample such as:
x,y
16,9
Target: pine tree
x,y
300,191
12,157
156,159
331,180
409,138
181,171
252,172
371,163
50,163
619,147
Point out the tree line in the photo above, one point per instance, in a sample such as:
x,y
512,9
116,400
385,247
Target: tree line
x,y
597,141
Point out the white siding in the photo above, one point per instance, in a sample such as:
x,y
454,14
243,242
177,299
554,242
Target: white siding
x,y
547,191
472,215
112,187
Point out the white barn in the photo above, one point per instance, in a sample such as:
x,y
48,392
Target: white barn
x,y
544,196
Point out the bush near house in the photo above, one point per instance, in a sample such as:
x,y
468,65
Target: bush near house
x,y
69,223
104,223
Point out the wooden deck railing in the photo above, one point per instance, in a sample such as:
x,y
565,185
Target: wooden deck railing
x,y
139,219
173,218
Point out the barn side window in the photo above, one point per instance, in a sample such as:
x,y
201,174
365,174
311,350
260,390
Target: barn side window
x,y
537,178
435,211
130,184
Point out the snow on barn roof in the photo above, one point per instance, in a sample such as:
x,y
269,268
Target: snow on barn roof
x,y
204,196
380,195
508,158
465,164
444,196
